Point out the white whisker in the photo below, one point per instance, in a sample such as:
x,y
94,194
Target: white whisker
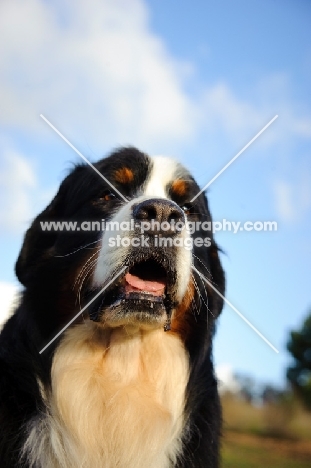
x,y
78,250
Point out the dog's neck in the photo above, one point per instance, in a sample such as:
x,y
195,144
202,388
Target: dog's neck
x,y
118,398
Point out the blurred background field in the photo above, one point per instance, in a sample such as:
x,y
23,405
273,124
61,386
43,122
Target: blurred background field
x,y
248,451
265,425
270,434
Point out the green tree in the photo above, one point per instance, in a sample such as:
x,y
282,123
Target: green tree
x,y
299,374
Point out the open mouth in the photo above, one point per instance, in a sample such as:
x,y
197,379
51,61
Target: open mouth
x,y
146,278
145,291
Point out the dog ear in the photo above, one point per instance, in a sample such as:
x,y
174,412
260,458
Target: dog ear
x,y
37,242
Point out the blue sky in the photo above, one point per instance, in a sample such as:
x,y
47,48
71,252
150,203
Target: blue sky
x,y
195,80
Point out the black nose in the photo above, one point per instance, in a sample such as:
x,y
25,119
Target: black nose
x,y
159,216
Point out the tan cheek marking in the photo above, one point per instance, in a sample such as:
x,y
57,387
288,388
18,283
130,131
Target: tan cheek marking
x,y
180,321
179,187
124,175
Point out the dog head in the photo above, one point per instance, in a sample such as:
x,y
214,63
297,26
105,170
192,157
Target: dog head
x,y
136,250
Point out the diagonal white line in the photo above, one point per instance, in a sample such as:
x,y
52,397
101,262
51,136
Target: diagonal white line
x,y
235,157
82,310
236,311
83,157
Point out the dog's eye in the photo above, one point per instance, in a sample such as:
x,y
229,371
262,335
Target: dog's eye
x,y
107,195
186,208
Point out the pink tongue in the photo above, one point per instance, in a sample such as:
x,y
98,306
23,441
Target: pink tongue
x,y
133,283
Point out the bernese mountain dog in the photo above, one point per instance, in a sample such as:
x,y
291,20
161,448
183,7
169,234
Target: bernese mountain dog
x,y
130,383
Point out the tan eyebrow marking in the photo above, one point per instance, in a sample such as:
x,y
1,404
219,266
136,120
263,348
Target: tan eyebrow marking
x,y
179,187
124,175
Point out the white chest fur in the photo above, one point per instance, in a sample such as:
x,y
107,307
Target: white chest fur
x,y
117,399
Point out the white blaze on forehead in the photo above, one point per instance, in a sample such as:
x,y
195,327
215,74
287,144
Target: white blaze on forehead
x,y
164,171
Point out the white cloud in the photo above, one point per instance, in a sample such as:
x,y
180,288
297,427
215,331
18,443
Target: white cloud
x,y
293,198
9,299
17,186
302,126
93,65
240,119
224,109
22,194
98,71
284,202
227,382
